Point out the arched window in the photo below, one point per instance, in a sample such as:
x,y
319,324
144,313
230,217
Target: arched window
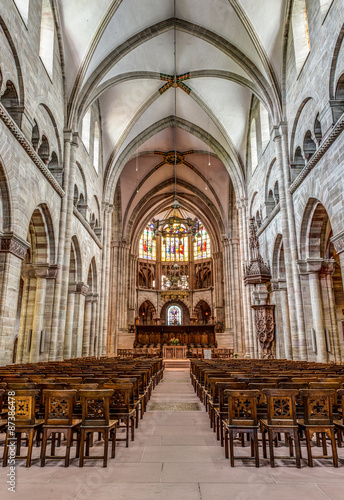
x,y
174,315
253,144
23,7
264,125
46,44
86,129
202,244
300,33
96,143
174,248
147,248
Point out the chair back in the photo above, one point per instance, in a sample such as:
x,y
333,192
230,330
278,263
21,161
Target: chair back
x,y
2,392
317,405
340,393
120,400
95,406
58,406
25,406
281,406
242,407
221,387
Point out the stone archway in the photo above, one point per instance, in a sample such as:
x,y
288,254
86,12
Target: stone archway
x,y
202,312
183,307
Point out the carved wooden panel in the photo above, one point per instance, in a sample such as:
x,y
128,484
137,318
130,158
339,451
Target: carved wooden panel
x,y
95,409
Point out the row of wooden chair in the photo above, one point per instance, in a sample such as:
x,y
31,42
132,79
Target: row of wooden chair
x,y
74,407
241,404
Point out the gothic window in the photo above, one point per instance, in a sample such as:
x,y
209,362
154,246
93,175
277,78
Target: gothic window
x,y
147,248
264,126
46,44
174,249
300,33
174,315
96,144
23,7
202,244
86,129
253,143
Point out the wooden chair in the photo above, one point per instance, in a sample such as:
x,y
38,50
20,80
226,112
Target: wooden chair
x,y
281,418
339,422
96,418
318,419
59,420
242,419
25,422
121,409
3,421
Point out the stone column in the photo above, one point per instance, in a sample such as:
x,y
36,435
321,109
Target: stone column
x,y
327,272
12,253
64,247
41,271
237,284
283,294
338,243
77,340
22,325
93,334
313,269
69,323
300,320
87,325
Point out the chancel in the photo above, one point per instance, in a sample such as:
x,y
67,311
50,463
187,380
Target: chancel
x,y
172,248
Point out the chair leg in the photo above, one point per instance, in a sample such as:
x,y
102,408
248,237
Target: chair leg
x,y
113,449
81,448
69,443
271,449
291,448
297,449
334,448
4,458
29,450
324,447
226,443
106,446
44,447
53,442
231,447
127,432
256,447
132,428
264,443
309,447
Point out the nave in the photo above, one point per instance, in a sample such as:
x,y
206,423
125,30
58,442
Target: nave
x,y
176,455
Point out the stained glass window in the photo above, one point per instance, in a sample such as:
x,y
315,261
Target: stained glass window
x,y
174,315
147,248
174,249
202,244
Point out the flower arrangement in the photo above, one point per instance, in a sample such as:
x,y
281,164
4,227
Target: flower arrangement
x,y
235,355
174,341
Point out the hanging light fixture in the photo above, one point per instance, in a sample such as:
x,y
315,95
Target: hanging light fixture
x,y
175,222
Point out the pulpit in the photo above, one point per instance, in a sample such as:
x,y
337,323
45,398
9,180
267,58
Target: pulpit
x,y
174,351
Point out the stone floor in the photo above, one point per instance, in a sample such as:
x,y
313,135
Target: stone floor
x,y
175,456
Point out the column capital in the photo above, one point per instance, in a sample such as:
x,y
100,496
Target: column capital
x,y
241,203
314,265
10,243
45,270
338,242
81,288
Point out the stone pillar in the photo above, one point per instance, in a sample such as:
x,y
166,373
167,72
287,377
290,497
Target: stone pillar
x,y
69,323
338,243
327,272
93,334
64,247
12,252
38,316
313,269
237,286
79,312
283,294
22,325
300,320
87,325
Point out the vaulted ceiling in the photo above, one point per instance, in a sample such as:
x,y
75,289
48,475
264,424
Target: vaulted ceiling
x,y
121,52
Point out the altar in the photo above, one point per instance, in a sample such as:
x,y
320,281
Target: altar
x,y
174,352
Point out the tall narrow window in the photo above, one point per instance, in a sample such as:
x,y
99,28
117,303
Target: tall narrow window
x,y
253,143
46,45
147,249
174,315
300,33
96,144
86,129
202,244
23,7
174,249
264,125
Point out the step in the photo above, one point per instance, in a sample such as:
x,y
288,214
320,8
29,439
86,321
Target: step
x,y
177,363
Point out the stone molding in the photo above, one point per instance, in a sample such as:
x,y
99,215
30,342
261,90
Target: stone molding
x,y
18,134
10,243
338,242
